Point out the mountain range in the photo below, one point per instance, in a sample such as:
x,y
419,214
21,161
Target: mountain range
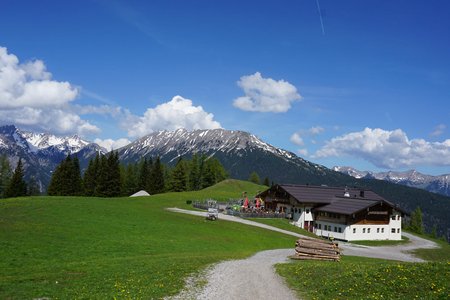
x,y
436,184
241,153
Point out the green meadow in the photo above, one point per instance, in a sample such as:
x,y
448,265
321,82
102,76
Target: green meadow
x,y
100,248
132,248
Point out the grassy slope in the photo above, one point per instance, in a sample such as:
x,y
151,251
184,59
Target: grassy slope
x,y
367,278
68,247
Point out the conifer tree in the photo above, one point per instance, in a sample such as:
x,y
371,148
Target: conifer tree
x,y
179,177
416,223
101,187
5,174
157,178
143,174
266,181
254,177
113,175
90,176
130,185
16,186
194,174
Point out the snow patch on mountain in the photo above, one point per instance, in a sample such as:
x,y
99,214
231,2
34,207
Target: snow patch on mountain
x,y
437,184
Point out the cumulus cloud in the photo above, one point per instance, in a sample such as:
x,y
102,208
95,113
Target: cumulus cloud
x,y
265,94
177,113
388,149
110,144
297,139
438,130
29,96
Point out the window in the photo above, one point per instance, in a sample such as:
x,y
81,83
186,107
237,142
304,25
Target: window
x,y
354,230
307,211
398,217
335,229
393,218
378,230
368,230
398,230
320,226
339,229
393,230
382,230
364,230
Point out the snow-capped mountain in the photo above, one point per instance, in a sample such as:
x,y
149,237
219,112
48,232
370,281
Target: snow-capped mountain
x,y
240,153
436,184
41,152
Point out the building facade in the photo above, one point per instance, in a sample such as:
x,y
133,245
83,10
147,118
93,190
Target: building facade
x,y
347,214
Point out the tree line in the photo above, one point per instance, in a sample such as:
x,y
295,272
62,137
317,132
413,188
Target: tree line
x,y
105,176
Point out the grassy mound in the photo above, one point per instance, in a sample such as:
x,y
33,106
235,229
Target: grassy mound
x,y
77,247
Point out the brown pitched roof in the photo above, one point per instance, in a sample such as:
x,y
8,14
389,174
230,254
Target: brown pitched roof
x,y
325,194
341,200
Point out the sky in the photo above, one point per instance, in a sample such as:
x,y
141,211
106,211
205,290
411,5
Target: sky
x,y
349,83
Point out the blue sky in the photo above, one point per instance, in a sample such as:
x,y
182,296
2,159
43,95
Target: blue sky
x,y
359,83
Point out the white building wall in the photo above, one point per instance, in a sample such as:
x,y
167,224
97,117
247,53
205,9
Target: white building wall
x,y
362,232
302,214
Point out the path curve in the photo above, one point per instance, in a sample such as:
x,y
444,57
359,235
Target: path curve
x,y
399,252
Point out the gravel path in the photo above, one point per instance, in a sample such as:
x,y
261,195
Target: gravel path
x,y
247,278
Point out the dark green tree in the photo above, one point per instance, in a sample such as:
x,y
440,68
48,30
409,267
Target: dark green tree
x,y
101,187
90,176
143,174
254,177
5,174
266,181
416,222
16,187
179,176
66,179
157,178
129,179
194,174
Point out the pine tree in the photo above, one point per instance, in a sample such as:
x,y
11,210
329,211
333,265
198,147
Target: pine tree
x,y
266,181
416,223
17,186
143,174
194,174
101,187
254,177
157,177
113,168
179,177
75,178
5,174
90,176
130,185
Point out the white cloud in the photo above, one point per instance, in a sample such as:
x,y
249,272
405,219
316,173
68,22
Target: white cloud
x,y
438,130
388,149
30,85
29,97
177,113
297,139
265,94
110,144
316,130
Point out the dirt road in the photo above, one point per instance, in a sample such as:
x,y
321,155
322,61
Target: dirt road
x,y
247,278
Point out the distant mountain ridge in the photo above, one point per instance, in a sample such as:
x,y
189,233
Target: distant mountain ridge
x,y
436,184
239,152
42,152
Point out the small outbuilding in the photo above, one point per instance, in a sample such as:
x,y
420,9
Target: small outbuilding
x,y
141,193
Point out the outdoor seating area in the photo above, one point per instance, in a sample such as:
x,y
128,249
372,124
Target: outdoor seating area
x,y
244,207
